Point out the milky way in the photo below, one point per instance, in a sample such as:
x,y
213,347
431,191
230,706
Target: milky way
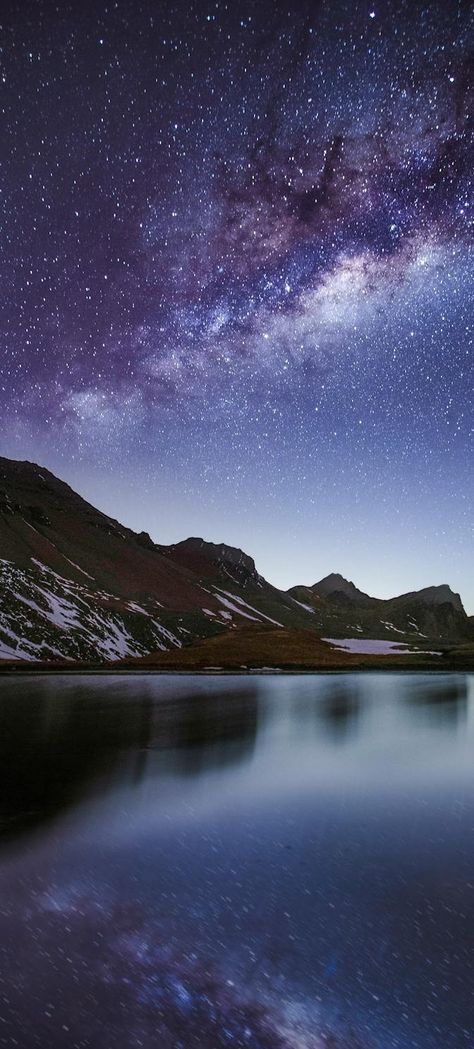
x,y
237,269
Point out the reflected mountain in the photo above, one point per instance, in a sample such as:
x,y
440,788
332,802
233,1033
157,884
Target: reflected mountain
x,y
325,709
199,732
54,753
339,711
443,702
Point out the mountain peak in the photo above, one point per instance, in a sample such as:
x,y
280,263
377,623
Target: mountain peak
x,y
436,595
334,583
206,558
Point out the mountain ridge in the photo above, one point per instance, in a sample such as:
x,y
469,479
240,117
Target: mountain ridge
x,y
76,584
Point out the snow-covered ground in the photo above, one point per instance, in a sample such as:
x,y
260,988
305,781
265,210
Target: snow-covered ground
x,y
44,615
372,647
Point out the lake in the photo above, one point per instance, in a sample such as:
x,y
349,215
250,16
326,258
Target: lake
x,y
266,862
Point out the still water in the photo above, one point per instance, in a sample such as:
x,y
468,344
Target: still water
x,y
263,862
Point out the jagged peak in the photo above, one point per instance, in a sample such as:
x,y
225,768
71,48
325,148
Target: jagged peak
x,y
144,539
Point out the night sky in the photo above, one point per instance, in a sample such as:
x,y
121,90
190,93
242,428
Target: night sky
x,y
237,272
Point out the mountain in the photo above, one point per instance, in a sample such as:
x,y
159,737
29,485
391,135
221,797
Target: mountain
x,y
214,561
341,610
334,587
77,585
435,611
434,595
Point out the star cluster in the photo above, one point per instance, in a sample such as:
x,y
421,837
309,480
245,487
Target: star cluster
x,y
237,260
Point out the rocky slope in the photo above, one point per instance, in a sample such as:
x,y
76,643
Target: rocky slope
x,y
76,584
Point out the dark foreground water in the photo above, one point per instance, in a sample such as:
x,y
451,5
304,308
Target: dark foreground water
x,y
258,862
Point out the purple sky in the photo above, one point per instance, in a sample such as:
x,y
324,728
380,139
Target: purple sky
x,y
237,267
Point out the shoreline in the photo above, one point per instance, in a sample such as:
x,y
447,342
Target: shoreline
x,y
226,672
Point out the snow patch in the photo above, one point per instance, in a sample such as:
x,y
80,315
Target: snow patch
x,y
307,608
374,647
390,626
240,601
132,605
235,608
168,634
79,569
8,652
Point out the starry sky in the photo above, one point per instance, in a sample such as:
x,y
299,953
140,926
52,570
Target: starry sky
x,y
237,272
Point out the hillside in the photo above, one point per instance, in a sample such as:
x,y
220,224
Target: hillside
x,y
76,585
266,648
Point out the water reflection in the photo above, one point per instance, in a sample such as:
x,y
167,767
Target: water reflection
x,y
326,708
51,753
339,710
58,746
208,731
62,741
441,702
236,863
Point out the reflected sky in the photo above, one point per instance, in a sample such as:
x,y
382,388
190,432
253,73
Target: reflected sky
x,y
263,862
